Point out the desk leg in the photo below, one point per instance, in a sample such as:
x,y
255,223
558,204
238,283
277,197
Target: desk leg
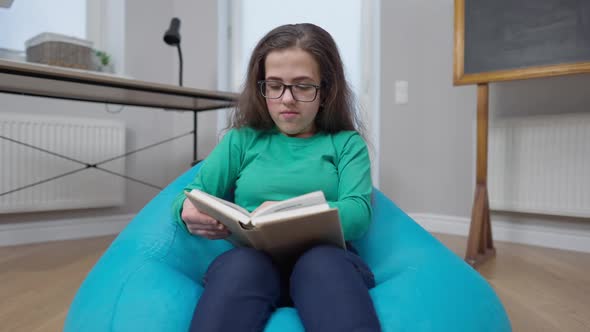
x,y
480,245
195,138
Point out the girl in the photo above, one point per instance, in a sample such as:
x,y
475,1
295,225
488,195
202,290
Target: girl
x,y
294,132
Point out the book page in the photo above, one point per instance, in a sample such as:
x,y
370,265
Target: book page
x,y
206,203
287,215
230,204
311,199
231,218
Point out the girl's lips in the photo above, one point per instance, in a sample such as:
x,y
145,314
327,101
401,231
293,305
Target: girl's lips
x,y
289,114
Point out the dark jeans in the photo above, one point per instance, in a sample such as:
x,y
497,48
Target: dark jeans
x,y
328,286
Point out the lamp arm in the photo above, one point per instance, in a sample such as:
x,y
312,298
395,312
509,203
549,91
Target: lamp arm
x,y
180,65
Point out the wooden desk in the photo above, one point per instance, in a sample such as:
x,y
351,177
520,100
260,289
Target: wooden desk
x,y
55,82
64,83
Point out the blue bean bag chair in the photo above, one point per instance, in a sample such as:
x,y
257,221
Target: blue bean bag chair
x,y
149,279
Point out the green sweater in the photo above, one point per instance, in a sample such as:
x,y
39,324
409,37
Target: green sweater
x,y
269,166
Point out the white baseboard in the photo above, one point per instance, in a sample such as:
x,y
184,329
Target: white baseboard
x,y
33,232
542,234
557,235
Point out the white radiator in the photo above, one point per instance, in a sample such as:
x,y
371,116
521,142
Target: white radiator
x,y
83,139
540,164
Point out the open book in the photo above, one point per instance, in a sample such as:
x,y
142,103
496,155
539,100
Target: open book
x,y
284,229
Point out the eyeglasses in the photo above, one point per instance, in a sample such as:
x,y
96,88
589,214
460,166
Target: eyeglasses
x,y
304,92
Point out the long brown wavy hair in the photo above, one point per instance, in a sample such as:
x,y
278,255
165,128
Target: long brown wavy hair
x,y
337,106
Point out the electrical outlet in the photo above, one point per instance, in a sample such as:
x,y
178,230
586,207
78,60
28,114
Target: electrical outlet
x,y
401,92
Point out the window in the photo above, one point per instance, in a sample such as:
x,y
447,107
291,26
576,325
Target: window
x,y
27,18
90,20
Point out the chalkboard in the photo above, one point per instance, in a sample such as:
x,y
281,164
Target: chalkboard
x,y
515,39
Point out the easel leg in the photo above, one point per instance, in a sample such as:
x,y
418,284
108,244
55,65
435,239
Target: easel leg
x,y
480,245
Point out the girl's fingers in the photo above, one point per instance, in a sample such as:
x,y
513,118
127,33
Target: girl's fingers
x,y
219,228
199,226
213,235
213,226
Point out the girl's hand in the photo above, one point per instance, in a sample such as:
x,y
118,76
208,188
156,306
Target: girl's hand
x,y
201,224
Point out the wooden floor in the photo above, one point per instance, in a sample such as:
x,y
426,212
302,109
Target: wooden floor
x,y
542,289
38,282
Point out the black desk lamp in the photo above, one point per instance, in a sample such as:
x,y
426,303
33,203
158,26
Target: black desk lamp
x,y
172,38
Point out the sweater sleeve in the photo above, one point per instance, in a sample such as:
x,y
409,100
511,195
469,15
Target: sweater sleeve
x,y
355,188
218,173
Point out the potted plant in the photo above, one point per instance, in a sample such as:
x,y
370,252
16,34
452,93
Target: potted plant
x,y
103,61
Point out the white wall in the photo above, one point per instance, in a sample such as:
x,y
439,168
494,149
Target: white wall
x,y
426,155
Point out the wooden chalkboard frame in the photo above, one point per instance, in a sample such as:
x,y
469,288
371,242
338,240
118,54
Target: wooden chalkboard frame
x,y
460,78
480,246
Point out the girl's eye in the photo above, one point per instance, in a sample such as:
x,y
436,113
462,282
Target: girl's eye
x,y
274,86
304,87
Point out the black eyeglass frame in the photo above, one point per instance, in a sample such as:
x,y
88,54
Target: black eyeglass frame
x,y
290,87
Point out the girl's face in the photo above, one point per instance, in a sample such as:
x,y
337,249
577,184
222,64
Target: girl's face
x,y
293,66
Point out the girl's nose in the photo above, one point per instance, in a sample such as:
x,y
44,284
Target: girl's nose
x,y
287,96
